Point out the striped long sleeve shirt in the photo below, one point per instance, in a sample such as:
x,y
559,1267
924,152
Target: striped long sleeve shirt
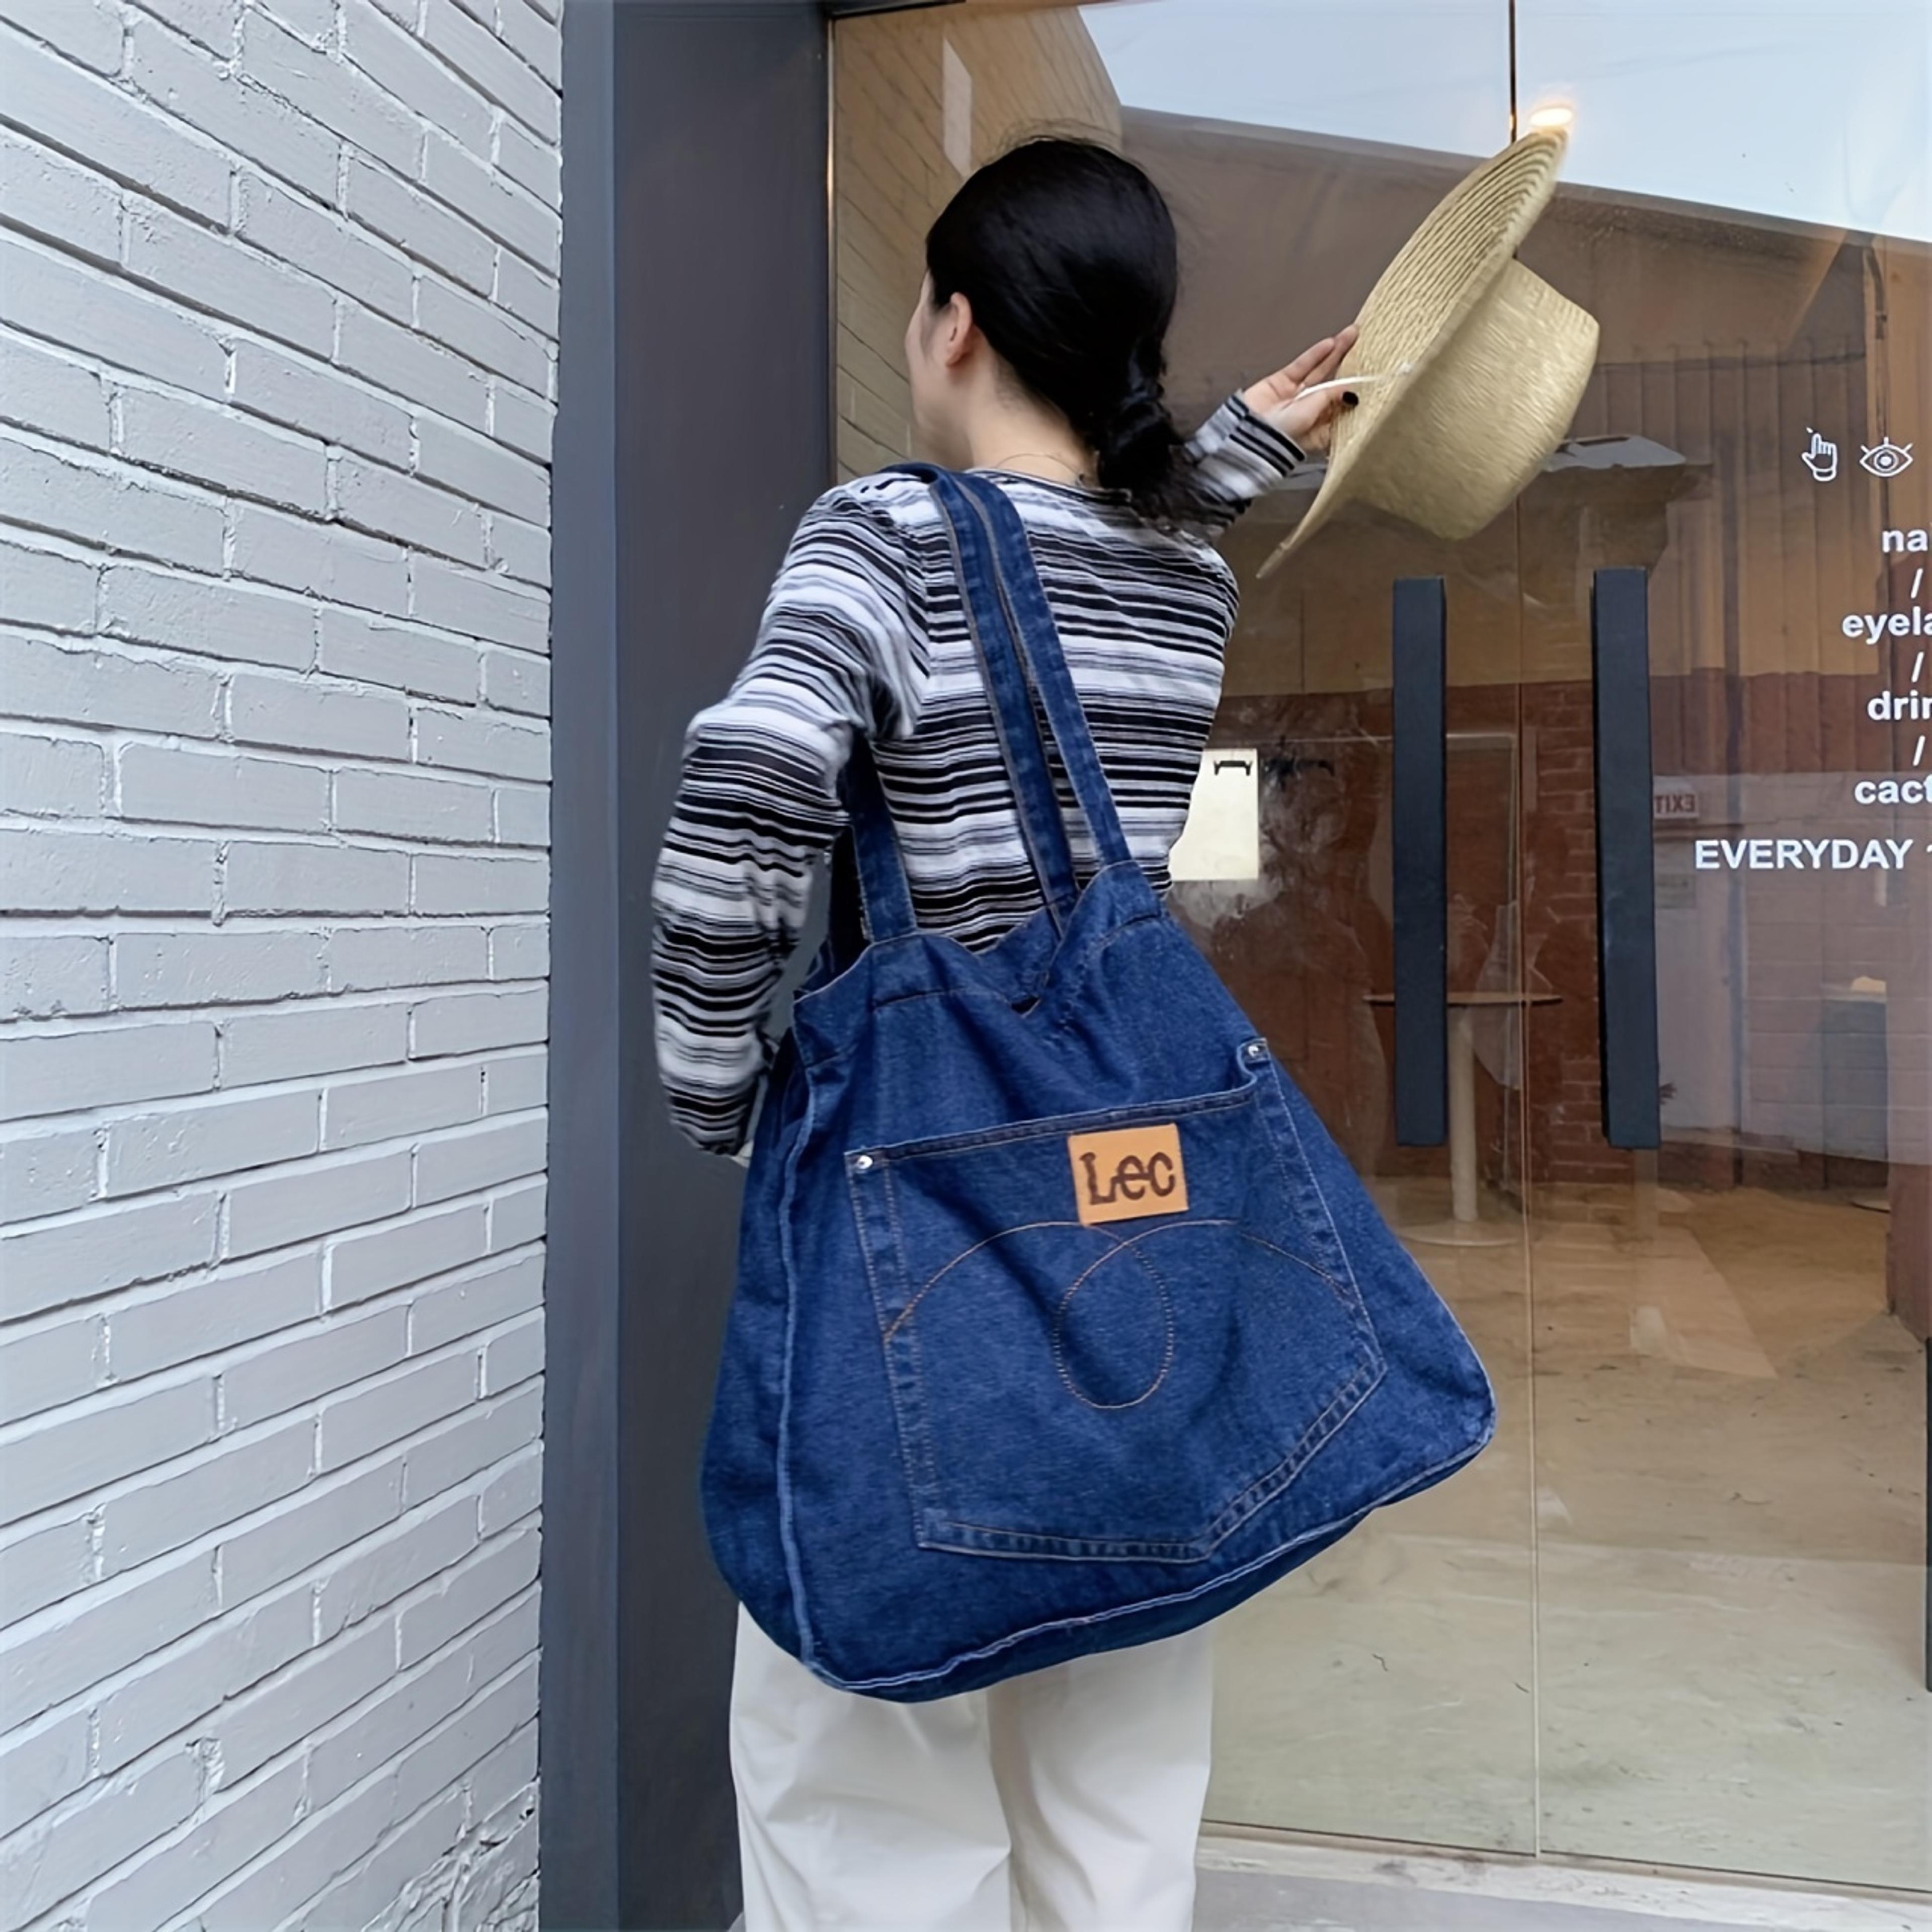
x,y
865,632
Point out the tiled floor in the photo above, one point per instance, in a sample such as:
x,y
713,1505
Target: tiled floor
x,y
1251,1887
1231,1902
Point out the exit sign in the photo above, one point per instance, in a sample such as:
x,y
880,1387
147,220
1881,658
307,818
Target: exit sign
x,y
1675,802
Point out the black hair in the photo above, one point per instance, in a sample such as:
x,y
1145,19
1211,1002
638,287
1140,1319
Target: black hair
x,y
1066,252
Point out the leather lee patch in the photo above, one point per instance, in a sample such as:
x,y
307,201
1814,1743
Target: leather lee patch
x,y
1128,1173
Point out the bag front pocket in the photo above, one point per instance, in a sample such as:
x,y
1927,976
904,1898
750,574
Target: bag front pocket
x,y
1109,1337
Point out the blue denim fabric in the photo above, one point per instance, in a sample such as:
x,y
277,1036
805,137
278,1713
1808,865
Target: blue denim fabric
x,y
959,1431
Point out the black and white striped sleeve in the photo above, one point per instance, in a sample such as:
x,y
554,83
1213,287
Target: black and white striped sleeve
x,y
1237,456
839,650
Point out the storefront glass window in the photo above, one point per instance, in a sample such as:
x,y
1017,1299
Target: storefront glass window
x,y
1677,1615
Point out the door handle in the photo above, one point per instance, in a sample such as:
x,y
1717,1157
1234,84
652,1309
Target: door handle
x,y
1626,873
1419,811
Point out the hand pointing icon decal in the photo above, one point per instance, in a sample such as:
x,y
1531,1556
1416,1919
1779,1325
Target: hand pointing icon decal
x,y
1821,458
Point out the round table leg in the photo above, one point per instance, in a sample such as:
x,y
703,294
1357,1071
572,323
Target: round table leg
x,y
1466,1228
1462,1113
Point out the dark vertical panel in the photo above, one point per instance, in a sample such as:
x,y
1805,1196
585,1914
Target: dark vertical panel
x,y
578,1729
1419,808
723,426
694,428
1626,886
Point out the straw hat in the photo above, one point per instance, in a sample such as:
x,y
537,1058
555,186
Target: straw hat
x,y
1469,367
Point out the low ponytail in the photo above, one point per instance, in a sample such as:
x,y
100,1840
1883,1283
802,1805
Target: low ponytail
x,y
1067,253
1141,451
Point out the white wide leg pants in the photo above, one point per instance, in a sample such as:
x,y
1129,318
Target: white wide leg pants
x,y
1066,1800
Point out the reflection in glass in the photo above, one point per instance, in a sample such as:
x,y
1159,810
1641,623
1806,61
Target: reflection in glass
x,y
1731,1425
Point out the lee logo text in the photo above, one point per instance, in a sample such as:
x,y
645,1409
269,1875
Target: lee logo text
x,y
1128,1173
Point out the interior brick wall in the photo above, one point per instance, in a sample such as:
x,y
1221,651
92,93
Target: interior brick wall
x,y
1026,74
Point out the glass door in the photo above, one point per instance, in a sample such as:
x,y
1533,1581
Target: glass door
x,y
1676,1615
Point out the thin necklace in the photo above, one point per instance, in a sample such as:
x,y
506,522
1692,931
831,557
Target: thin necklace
x,y
1040,456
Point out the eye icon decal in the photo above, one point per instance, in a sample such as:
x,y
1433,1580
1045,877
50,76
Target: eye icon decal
x,y
1888,459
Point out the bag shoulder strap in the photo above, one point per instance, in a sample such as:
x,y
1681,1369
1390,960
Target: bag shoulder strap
x,y
1025,667
977,571
1036,639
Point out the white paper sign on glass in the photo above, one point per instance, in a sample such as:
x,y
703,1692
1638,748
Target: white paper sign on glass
x,y
1222,837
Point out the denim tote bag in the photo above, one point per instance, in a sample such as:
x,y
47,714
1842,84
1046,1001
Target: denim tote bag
x,y
1061,1324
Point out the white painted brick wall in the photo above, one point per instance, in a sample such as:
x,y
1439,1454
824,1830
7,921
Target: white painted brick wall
x,y
277,346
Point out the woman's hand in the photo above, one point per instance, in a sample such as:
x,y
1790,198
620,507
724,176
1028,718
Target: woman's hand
x,y
1279,399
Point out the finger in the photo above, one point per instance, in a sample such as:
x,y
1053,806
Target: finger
x,y
1312,423
1339,354
1298,372
1332,404
1331,363
1318,357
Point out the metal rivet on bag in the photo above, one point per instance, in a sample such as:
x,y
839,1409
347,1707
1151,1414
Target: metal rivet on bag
x,y
1254,1049
863,1163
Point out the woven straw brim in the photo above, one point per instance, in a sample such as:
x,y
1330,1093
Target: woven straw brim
x,y
1480,363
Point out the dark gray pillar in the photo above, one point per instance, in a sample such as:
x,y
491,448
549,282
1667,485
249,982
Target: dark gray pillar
x,y
694,429
578,1724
